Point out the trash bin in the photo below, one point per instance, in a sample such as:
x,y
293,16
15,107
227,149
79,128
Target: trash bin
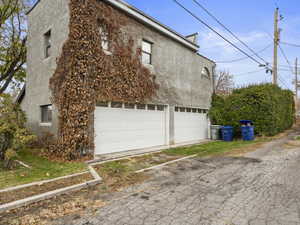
x,y
247,130
215,131
227,133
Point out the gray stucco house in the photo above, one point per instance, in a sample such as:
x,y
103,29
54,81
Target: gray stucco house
x,y
176,115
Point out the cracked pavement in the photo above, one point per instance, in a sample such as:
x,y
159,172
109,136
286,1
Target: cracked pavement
x,y
260,188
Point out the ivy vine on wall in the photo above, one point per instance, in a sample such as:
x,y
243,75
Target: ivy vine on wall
x,y
86,74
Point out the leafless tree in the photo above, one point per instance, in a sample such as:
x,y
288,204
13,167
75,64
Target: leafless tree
x,y
224,83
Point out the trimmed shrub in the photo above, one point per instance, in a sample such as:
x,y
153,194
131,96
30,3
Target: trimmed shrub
x,y
270,108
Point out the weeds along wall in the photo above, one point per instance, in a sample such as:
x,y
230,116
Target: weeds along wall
x,y
270,108
86,74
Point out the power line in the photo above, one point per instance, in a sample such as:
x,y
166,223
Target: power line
x,y
244,58
250,72
282,81
216,32
227,29
290,44
287,60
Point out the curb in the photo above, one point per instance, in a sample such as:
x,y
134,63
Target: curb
x,y
44,196
165,164
50,194
42,182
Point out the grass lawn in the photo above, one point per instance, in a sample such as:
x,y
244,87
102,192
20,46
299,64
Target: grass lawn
x,y
215,148
42,169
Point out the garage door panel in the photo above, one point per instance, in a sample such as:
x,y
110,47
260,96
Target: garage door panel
x,y
190,127
128,129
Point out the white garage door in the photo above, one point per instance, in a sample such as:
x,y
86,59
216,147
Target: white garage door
x,y
190,124
122,127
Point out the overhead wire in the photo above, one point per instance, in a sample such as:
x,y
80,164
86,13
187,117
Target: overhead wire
x,y
286,59
290,44
220,35
228,30
244,58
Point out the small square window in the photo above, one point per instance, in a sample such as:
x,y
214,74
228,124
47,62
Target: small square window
x,y
151,107
189,110
194,110
176,109
102,104
147,52
160,108
182,109
46,113
199,110
116,104
141,106
129,106
47,44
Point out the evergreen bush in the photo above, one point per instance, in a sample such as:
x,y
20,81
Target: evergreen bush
x,y
271,108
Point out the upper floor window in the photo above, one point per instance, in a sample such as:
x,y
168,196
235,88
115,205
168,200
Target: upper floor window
x,y
46,113
47,44
104,37
205,72
147,52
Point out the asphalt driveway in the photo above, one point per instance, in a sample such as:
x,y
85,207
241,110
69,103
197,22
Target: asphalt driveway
x,y
260,188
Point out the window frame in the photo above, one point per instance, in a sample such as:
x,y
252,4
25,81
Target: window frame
x,y
104,37
150,54
47,43
49,109
205,72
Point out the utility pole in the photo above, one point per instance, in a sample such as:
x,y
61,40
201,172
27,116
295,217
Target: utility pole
x,y
276,41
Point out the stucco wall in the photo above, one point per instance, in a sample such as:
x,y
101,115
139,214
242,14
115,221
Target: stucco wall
x,y
177,68
46,15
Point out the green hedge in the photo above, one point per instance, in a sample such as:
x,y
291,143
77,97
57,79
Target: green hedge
x,y
270,108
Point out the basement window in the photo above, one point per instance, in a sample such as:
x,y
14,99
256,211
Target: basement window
x,y
46,113
147,52
47,44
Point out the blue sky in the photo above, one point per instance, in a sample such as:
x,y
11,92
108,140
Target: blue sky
x,y
251,20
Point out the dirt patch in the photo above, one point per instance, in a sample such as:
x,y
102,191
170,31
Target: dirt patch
x,y
244,150
11,196
292,144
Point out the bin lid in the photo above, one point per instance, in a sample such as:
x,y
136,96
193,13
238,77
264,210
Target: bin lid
x,y
246,121
227,127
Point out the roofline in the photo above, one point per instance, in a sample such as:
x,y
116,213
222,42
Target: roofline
x,y
141,16
191,35
146,19
206,58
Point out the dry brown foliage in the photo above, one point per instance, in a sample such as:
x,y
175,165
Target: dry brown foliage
x,y
85,74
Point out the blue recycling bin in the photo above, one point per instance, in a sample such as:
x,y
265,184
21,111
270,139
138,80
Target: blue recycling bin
x,y
227,133
247,130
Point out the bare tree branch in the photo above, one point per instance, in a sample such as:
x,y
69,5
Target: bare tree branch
x,y
224,83
12,43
